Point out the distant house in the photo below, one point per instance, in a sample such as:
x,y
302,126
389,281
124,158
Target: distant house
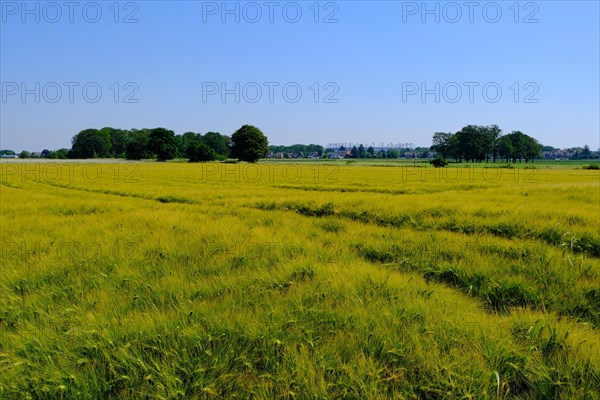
x,y
9,156
557,154
339,154
35,154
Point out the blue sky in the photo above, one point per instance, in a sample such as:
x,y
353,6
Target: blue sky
x,y
303,72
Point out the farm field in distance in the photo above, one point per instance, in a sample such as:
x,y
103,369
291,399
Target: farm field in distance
x,y
310,280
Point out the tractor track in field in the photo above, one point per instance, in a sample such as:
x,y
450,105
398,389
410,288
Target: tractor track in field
x,y
160,199
376,191
498,296
586,243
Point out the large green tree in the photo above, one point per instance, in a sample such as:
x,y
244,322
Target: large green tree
x,y
218,143
517,146
118,138
137,145
533,149
494,133
442,143
471,143
505,148
199,152
163,143
249,144
186,140
92,143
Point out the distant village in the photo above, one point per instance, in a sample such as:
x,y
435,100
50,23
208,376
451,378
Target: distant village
x,y
405,151
345,151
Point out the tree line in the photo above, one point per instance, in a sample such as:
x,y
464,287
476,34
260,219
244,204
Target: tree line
x,y
60,154
367,152
246,144
304,149
484,143
471,144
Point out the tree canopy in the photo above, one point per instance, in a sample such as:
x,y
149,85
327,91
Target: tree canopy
x,y
249,144
163,143
136,144
482,143
472,143
198,151
92,143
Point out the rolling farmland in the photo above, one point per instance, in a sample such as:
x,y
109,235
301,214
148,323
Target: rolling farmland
x,y
299,281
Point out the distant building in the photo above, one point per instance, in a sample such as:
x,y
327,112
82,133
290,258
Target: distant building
x,y
557,154
9,156
339,154
275,155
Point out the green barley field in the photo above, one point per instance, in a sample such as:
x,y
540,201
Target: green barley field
x,y
298,281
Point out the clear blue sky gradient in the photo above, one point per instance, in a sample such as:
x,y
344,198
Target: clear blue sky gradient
x,y
371,58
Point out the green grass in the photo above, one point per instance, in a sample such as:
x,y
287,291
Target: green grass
x,y
536,164
299,281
